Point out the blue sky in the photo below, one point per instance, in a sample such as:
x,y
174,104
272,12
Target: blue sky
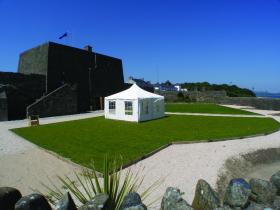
x,y
219,41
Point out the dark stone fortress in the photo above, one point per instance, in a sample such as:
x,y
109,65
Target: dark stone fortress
x,y
55,79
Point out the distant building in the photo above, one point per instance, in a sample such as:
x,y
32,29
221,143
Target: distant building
x,y
146,85
162,87
45,69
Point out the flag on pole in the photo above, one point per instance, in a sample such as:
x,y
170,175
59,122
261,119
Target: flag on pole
x,y
63,36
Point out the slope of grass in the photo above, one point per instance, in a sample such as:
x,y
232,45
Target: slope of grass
x,y
203,108
85,140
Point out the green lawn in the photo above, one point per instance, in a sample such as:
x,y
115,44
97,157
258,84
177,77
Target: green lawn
x,y
89,139
203,108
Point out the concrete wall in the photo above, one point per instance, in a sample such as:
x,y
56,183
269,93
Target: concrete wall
x,y
62,101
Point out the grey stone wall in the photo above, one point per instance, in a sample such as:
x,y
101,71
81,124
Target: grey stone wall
x,y
221,98
259,103
195,96
34,61
3,109
62,101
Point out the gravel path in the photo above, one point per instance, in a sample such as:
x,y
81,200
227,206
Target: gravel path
x,y
24,165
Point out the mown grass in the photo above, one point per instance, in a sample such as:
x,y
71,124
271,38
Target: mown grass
x,y
203,108
85,140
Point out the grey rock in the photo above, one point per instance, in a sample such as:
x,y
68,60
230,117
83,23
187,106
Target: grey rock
x,y
172,200
256,206
138,207
276,203
33,202
131,199
99,202
263,191
205,197
66,203
223,208
8,197
275,179
237,193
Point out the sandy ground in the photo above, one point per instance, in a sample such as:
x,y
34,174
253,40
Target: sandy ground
x,y
23,165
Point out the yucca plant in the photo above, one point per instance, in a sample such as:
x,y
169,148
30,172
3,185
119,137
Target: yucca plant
x,y
116,185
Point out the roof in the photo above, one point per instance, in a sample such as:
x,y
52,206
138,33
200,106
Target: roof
x,y
141,82
134,92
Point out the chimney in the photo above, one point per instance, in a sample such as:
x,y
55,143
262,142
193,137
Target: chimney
x,y
88,48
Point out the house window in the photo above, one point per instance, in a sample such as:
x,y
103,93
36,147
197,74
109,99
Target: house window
x,y
128,107
112,107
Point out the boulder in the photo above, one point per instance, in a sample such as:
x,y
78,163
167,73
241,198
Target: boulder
x,y
276,202
237,193
99,202
8,197
275,179
205,197
33,202
263,191
256,206
132,201
66,203
172,200
224,208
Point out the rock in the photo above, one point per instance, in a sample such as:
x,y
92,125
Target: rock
x,y
275,179
33,202
263,191
205,197
276,202
256,206
66,203
99,202
8,197
223,208
172,200
132,201
237,193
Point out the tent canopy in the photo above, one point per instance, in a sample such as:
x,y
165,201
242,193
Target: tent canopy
x,y
134,92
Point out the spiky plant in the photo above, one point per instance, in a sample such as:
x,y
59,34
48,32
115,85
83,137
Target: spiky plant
x,y
116,185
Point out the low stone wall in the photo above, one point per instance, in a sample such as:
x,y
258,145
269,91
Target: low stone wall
x,y
258,103
62,101
192,96
220,97
239,194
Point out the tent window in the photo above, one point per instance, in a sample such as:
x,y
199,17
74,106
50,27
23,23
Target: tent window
x,y
144,107
112,107
157,107
128,108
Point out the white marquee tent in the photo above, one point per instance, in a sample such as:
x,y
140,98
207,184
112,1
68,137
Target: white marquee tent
x,y
134,104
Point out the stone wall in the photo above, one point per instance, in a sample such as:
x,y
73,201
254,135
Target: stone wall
x,y
257,194
192,96
3,109
259,103
220,97
62,101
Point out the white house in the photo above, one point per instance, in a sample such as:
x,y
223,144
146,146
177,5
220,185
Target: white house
x,y
134,104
